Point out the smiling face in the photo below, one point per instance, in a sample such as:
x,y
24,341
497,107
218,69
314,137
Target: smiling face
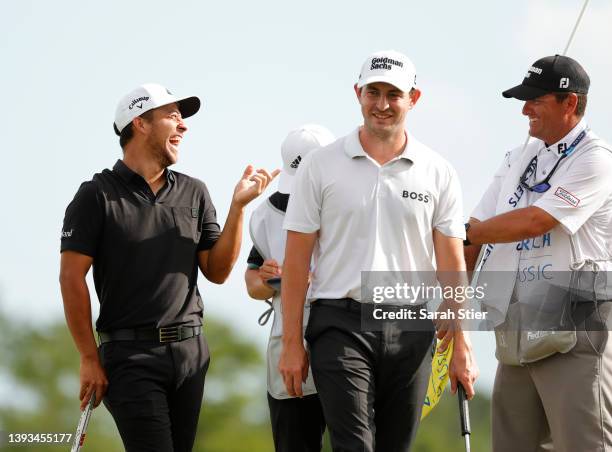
x,y
164,132
550,119
384,108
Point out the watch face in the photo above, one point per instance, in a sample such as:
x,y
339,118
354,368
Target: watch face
x,y
275,283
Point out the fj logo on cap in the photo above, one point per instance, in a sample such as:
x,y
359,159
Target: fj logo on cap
x,y
296,162
140,99
564,82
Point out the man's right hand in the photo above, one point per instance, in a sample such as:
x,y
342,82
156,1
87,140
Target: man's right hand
x,y
93,379
293,366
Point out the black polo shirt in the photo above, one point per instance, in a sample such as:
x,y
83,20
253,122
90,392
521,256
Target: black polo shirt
x,y
144,246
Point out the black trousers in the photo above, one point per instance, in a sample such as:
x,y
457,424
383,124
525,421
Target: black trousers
x,y
371,384
155,392
297,423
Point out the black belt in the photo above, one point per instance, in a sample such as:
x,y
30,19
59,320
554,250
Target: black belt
x,y
342,303
161,335
355,306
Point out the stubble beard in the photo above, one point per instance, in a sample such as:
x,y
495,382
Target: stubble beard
x,y
160,154
382,133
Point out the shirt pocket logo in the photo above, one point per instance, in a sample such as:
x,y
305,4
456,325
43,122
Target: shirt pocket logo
x,y
186,222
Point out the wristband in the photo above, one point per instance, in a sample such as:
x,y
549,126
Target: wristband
x,y
467,242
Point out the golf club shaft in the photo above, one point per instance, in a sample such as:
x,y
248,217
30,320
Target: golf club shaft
x,y
571,38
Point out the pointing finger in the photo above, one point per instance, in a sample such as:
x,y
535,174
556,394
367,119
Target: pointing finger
x,y
248,172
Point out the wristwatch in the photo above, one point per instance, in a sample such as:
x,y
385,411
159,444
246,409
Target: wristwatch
x,y
467,242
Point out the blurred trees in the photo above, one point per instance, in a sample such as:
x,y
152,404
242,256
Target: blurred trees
x,y
41,366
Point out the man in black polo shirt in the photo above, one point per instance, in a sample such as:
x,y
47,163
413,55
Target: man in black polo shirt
x,y
146,230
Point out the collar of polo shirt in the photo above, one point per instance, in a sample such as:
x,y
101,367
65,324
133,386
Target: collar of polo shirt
x,y
567,140
127,174
353,147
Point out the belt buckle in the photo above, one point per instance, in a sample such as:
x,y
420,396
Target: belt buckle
x,y
169,334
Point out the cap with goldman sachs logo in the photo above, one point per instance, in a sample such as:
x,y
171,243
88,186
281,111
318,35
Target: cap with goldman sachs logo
x,y
147,97
388,66
551,74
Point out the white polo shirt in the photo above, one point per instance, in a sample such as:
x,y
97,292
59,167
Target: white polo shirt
x,y
371,217
580,197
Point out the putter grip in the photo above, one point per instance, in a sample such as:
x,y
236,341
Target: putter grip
x,y
464,410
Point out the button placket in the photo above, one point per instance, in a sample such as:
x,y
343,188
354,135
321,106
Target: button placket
x,y
380,184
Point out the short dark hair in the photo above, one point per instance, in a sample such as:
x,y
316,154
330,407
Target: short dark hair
x,y
580,106
128,132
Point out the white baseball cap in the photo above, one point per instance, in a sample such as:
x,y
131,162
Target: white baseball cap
x,y
147,97
296,146
388,66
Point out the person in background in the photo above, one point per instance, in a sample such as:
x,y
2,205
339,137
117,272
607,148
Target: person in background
x,y
297,422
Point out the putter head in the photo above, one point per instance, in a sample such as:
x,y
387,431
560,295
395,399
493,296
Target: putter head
x,y
81,430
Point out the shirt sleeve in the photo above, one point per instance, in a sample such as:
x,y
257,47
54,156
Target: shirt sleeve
x,y
210,228
448,217
487,206
583,189
304,208
83,221
255,260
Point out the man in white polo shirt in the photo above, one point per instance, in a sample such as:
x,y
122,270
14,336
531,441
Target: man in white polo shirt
x,y
548,214
375,200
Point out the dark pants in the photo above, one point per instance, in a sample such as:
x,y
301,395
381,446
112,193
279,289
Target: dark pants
x,y
371,384
155,392
297,423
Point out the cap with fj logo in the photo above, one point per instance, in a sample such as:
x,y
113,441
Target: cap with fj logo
x,y
147,97
552,74
296,146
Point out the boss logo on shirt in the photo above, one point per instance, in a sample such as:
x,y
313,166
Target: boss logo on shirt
x,y
416,196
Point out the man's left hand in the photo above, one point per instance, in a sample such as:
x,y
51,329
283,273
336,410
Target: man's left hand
x,y
252,184
463,368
